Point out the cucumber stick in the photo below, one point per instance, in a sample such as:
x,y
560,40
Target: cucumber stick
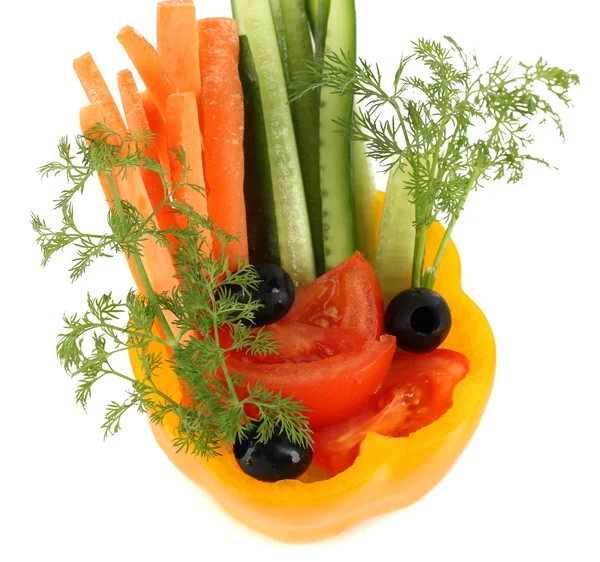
x,y
263,243
277,13
295,46
365,203
395,250
293,229
335,148
318,11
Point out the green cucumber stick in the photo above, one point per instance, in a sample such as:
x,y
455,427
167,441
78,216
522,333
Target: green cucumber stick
x,y
295,44
263,242
365,202
318,11
293,228
336,149
396,247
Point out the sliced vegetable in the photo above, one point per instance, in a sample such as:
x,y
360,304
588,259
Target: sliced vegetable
x,y
336,149
293,32
136,119
332,387
416,392
183,135
295,242
366,214
263,241
157,126
396,245
318,11
222,100
348,296
153,263
147,62
277,14
178,46
96,90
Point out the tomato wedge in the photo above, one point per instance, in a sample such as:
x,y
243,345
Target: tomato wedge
x,y
332,370
416,392
348,296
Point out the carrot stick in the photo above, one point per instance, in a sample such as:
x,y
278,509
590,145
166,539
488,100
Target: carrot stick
x,y
183,133
178,45
145,58
136,119
155,258
158,127
97,91
222,100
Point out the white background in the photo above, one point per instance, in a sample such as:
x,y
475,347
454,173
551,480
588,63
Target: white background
x,y
527,486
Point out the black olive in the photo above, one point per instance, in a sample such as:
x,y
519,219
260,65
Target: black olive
x,y
419,318
276,293
279,459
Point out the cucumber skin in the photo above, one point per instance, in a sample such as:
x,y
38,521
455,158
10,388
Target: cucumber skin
x,y
336,148
305,115
295,242
277,12
263,242
395,250
318,11
365,203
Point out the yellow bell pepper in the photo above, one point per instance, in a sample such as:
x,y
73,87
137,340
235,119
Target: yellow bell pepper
x,y
389,473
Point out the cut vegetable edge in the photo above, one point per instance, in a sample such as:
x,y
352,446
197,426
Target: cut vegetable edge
x,y
184,138
147,62
365,203
223,100
294,34
339,238
137,120
295,240
178,47
154,256
395,249
263,242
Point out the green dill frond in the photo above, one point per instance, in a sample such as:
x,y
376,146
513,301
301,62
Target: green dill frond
x,y
201,305
453,125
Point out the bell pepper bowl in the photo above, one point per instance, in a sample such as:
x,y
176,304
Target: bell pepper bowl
x,y
389,473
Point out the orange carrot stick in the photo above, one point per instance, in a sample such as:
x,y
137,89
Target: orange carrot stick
x,y
145,58
178,45
136,120
97,91
158,127
183,133
155,258
223,104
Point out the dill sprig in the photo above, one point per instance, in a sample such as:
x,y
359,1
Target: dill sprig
x,y
192,317
453,125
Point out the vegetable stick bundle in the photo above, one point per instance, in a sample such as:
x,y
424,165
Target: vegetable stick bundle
x,y
192,105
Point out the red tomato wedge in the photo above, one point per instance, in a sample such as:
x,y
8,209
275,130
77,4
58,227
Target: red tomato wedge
x,y
348,296
332,370
416,391
303,343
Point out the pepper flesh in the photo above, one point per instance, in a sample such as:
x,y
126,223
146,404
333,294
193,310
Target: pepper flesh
x,y
389,473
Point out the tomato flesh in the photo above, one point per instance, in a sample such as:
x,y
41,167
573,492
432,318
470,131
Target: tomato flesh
x,y
348,296
331,355
416,391
303,343
332,370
